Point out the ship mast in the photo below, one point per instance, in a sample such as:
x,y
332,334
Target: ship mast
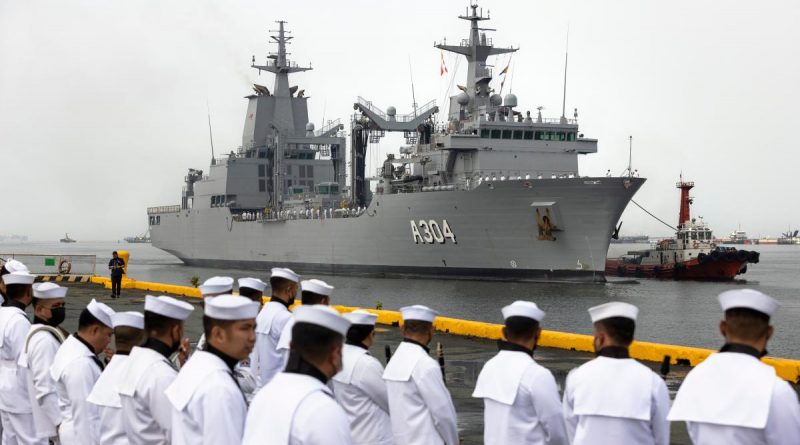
x,y
686,202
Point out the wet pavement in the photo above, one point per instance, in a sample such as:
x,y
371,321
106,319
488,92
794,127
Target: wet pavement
x,y
464,357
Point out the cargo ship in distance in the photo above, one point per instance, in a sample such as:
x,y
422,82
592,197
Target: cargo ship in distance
x,y
487,192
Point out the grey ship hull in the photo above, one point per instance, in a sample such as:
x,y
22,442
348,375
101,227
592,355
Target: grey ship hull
x,y
494,226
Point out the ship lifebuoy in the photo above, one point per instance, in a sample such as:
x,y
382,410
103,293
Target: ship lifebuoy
x,y
64,266
695,245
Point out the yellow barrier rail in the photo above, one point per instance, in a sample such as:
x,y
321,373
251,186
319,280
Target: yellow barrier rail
x,y
654,352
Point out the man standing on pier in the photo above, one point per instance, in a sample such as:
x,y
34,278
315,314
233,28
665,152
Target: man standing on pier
x,y
117,267
732,397
614,398
420,404
271,321
521,402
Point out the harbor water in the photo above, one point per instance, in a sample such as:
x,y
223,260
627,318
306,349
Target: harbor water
x,y
675,312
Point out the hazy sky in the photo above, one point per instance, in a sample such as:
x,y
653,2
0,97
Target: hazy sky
x,y
103,103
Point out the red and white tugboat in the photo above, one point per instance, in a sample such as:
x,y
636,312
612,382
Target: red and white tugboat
x,y
691,255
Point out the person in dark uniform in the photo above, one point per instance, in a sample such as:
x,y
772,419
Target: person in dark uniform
x,y
116,266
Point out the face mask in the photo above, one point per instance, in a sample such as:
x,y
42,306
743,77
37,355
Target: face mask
x,y
57,316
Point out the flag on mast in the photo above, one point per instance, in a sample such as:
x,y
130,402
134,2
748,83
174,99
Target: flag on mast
x,y
443,67
503,73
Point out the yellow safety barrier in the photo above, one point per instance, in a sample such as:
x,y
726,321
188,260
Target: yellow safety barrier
x,y
655,352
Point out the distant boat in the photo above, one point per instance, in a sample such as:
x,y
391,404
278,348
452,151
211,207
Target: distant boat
x,y
138,239
67,239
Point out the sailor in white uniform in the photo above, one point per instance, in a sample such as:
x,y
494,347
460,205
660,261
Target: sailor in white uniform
x,y
297,407
271,321
247,370
75,370
9,266
213,287
312,292
520,396
421,409
15,404
614,398
732,397
41,345
208,406
146,412
128,332
359,387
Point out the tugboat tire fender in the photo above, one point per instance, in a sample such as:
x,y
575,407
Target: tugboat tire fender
x,y
702,258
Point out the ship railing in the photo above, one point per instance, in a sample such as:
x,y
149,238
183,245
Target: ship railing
x,y
55,264
328,127
398,118
163,209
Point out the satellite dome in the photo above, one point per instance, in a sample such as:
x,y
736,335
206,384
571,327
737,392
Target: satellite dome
x,y
510,100
496,100
310,126
462,98
391,111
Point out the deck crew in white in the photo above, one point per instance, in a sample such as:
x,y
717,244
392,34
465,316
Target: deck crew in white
x,y
75,370
732,397
210,288
421,409
15,404
271,321
146,412
128,332
521,401
359,387
297,407
9,266
41,345
312,292
614,398
246,371
208,406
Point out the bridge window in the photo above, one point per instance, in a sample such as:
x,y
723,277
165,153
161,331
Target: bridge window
x,y
517,134
485,133
528,135
506,134
262,170
496,134
262,185
570,136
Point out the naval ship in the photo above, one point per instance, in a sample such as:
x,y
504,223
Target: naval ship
x,y
484,192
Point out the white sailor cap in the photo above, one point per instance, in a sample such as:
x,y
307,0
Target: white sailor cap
x,y
252,283
418,312
322,315
525,309
231,307
362,317
15,266
101,312
216,285
748,299
18,278
132,319
613,309
282,272
168,307
317,286
49,291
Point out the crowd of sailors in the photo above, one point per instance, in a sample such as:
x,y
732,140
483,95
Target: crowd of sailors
x,y
270,374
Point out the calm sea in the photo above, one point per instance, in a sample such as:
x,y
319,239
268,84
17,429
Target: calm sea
x,y
676,312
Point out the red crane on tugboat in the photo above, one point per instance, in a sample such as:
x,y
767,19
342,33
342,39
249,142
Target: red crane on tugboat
x,y
691,255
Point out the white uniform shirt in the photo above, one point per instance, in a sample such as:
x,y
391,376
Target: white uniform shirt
x,y
361,391
296,409
105,396
733,398
285,343
616,400
42,348
269,325
14,327
421,408
521,402
75,370
146,411
208,407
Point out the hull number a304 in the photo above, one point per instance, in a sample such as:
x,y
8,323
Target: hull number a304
x,y
431,232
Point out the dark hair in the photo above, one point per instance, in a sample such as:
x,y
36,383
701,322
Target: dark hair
x,y
3,270
158,324
358,333
309,297
126,337
86,319
16,291
251,293
313,342
209,323
279,283
620,329
417,326
747,324
114,253
521,328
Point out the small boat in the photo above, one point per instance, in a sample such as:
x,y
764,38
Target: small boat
x,y
67,239
138,239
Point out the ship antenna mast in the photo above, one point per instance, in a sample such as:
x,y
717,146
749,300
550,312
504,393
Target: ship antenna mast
x,y
630,156
564,95
413,96
210,135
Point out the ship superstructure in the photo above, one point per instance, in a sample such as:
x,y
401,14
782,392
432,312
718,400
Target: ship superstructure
x,y
493,193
